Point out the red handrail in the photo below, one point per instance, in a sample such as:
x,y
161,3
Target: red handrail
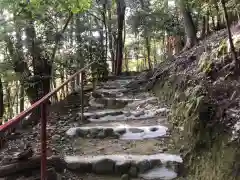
x,y
12,122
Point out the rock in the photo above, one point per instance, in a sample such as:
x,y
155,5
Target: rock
x,y
176,167
135,130
101,134
104,166
96,95
52,174
82,132
143,166
127,114
122,167
164,149
139,113
6,160
116,136
94,132
121,131
153,129
108,132
56,137
117,113
155,162
133,171
125,177
82,167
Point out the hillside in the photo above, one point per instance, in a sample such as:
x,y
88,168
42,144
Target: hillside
x,y
204,97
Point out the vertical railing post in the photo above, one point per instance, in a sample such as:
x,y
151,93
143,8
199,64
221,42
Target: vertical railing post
x,y
43,141
82,96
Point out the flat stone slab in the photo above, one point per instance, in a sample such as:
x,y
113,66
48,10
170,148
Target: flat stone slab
x,y
103,113
159,173
147,166
121,131
129,115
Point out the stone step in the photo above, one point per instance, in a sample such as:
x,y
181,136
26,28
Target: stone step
x,y
148,166
118,131
124,115
109,92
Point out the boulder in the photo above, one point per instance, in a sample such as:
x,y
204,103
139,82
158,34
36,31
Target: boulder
x,y
104,166
101,134
96,95
121,131
176,167
82,132
139,113
93,133
143,166
125,177
133,171
82,167
155,163
108,132
122,167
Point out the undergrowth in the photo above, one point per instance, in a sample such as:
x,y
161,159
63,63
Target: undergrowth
x,y
195,107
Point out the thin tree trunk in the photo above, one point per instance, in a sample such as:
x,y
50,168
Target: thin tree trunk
x,y
203,31
17,98
234,56
22,98
148,48
218,15
190,30
1,100
110,39
8,101
155,53
126,60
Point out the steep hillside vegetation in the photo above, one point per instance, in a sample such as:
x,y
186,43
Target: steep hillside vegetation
x,y
204,97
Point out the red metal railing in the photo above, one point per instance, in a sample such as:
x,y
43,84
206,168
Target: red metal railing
x,y
6,128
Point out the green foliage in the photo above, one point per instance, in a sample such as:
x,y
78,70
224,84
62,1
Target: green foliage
x,y
205,63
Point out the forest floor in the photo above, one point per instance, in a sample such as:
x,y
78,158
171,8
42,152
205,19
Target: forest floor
x,y
123,126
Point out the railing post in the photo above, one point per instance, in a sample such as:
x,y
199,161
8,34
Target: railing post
x,y
43,141
82,96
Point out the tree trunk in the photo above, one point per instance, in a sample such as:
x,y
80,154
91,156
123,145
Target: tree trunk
x,y
1,101
62,76
190,30
8,101
207,23
126,60
234,56
218,15
17,98
110,39
121,6
155,53
22,95
203,31
148,48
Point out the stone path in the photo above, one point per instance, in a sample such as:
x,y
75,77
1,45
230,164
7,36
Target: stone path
x,y
125,137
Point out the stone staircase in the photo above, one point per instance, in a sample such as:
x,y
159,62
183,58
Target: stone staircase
x,y
126,137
